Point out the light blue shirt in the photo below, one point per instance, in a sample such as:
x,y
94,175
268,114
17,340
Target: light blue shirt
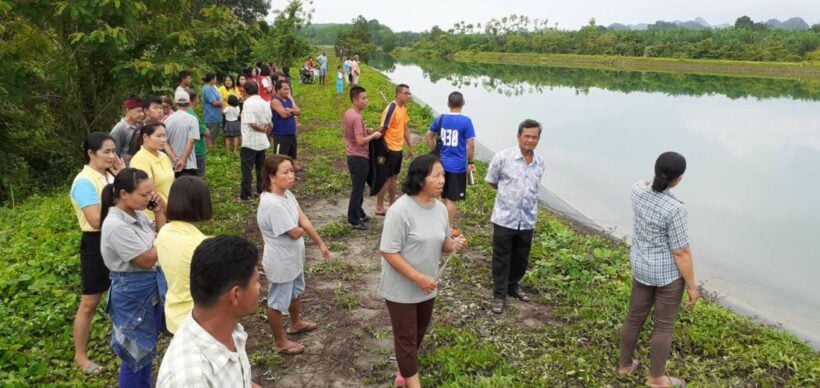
x,y
322,61
516,200
659,228
213,114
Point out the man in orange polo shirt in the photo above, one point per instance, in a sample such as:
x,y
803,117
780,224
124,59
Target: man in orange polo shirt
x,y
396,132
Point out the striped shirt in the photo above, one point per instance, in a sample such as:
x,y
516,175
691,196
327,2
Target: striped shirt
x,y
255,111
196,359
659,228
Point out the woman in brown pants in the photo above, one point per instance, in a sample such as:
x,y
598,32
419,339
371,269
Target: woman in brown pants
x,y
661,268
416,232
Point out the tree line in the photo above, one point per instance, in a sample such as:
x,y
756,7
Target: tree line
x,y
66,67
747,40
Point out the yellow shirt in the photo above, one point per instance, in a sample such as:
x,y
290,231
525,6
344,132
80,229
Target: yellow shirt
x,y
395,118
224,92
175,243
98,181
159,169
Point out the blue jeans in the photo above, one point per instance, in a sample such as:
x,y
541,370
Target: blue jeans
x,y
135,379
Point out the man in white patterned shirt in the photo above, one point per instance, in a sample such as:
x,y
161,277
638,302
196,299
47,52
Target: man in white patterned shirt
x,y
208,349
257,122
516,173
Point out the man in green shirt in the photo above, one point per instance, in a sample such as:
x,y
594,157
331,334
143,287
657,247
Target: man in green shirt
x,y
200,148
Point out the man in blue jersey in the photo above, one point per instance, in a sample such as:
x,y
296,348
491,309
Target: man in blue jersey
x,y
457,152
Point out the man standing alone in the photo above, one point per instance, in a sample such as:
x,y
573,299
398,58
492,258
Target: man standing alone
x,y
285,111
396,132
356,139
322,68
255,124
516,173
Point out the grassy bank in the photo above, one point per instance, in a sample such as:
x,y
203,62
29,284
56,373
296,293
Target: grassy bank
x,y
781,70
567,337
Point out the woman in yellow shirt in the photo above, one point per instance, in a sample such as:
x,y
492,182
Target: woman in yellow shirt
x,y
190,203
155,163
228,88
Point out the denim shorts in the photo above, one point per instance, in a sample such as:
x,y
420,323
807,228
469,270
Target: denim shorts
x,y
280,294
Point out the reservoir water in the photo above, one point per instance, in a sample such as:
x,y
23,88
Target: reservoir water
x,y
752,147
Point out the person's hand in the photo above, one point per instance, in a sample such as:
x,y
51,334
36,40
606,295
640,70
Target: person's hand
x,y
118,164
410,154
377,135
425,283
208,133
694,294
179,165
160,203
325,251
459,243
471,167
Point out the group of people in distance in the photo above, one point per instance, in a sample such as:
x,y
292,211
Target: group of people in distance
x,y
140,197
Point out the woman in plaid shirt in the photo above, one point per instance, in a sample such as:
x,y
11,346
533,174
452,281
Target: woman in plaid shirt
x,y
661,268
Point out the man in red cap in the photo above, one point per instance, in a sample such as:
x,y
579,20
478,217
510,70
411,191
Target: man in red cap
x,y
128,127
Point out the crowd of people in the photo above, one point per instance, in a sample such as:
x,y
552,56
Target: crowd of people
x,y
140,197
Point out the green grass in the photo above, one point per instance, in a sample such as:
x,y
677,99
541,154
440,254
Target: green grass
x,y
782,70
583,279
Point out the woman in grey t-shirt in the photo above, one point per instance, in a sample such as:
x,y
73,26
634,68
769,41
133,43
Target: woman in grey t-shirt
x,y
416,232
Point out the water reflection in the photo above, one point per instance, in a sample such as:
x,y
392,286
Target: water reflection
x,y
517,80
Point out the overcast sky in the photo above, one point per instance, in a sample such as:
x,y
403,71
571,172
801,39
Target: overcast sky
x,y
420,15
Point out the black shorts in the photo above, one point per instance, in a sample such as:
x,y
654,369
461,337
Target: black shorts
x,y
285,145
394,162
455,186
93,272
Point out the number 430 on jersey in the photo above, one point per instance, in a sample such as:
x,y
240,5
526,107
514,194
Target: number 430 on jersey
x,y
449,137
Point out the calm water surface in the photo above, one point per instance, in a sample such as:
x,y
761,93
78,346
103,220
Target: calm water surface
x,y
752,147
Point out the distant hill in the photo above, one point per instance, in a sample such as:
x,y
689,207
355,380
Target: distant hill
x,y
700,23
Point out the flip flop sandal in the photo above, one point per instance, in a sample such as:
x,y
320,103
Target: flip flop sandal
x,y
92,368
674,382
497,306
293,350
305,329
521,295
631,369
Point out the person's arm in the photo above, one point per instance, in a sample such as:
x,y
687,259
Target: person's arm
x,y
178,163
471,155
92,215
425,283
264,128
409,140
494,171
159,211
361,133
305,223
130,247
454,244
430,139
295,233
683,259
295,111
280,109
147,259
189,147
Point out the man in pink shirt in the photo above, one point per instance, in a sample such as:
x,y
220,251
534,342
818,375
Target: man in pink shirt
x,y
358,161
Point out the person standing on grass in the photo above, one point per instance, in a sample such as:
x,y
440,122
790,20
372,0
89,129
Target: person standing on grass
x,y
183,132
128,127
208,350
322,59
184,81
233,129
355,71
415,234
135,298
190,204
457,152
661,268
357,138
340,87
102,164
265,83
200,147
346,66
516,174
396,132
283,225
285,111
212,108
255,124
153,161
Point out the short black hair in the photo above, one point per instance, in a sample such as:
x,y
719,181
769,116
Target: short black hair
x,y
151,99
420,168
264,70
209,77
455,100
189,200
232,100
220,263
399,87
355,92
278,85
183,74
529,123
251,88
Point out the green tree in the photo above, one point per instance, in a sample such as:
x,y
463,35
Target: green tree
x,y
356,40
285,43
